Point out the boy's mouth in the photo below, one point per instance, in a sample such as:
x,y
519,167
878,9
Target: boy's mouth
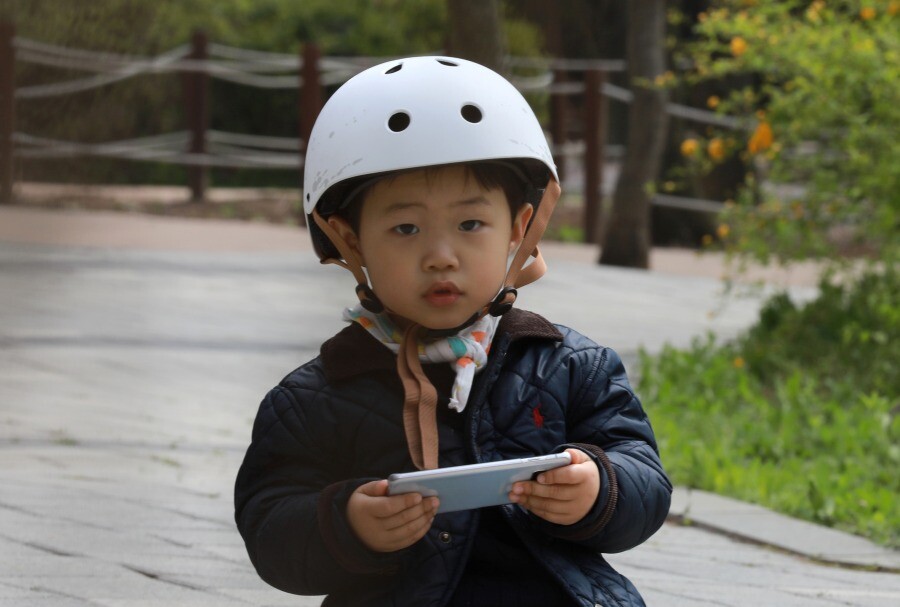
x,y
442,293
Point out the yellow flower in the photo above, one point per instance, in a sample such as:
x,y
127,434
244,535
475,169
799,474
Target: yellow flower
x,y
669,186
707,240
813,12
663,79
761,139
738,46
723,231
893,8
716,149
739,362
689,147
867,13
713,102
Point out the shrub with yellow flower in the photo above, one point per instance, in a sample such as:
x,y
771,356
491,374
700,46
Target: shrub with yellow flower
x,y
761,139
810,65
716,149
689,147
738,46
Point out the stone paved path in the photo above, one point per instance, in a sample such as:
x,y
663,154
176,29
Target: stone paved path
x,y
129,380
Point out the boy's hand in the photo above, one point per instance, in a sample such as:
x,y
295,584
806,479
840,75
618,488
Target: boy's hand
x,y
389,523
562,495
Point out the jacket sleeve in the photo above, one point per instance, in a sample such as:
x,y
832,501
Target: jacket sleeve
x,y
606,419
290,503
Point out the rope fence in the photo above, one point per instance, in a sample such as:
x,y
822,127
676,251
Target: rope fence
x,y
200,148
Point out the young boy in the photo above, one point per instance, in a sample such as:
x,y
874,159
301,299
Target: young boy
x,y
422,177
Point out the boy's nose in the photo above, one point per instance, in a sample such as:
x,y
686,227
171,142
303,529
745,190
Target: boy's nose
x,y
440,256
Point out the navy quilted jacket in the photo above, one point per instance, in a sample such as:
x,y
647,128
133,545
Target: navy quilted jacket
x,y
335,423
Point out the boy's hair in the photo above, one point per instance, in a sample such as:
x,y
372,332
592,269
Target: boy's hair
x,y
489,175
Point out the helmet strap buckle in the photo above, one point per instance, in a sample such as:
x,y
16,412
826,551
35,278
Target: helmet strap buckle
x,y
368,299
504,301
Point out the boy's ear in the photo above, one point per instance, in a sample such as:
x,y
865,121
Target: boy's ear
x,y
520,224
345,230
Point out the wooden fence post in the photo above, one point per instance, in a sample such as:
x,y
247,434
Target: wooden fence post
x,y
196,87
559,118
595,117
7,109
310,91
309,102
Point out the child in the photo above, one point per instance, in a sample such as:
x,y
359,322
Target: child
x,y
429,173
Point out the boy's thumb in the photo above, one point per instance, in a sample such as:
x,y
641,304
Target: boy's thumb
x,y
578,456
374,488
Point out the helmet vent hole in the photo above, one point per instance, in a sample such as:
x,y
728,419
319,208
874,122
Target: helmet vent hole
x,y
395,69
471,113
447,63
398,122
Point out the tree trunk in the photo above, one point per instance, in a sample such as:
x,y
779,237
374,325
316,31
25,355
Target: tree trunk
x,y
627,236
476,32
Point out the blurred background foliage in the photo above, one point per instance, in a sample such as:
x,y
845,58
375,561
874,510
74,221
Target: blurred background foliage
x,y
152,104
819,85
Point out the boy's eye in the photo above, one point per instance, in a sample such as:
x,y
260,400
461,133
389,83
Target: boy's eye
x,y
470,225
406,229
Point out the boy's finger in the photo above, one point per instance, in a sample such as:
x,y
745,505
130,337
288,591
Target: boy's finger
x,y
555,491
411,532
403,518
374,488
544,507
578,456
389,506
567,475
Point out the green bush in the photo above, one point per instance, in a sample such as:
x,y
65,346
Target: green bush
x,y
818,85
800,414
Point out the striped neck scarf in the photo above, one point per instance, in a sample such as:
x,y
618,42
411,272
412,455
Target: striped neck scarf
x,y
467,351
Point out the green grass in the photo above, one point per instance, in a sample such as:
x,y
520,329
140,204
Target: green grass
x,y
800,414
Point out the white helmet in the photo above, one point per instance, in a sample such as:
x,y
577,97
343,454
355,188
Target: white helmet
x,y
412,113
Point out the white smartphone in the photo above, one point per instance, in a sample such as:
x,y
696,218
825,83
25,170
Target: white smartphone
x,y
474,485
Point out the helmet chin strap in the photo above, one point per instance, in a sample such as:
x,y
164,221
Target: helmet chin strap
x,y
420,396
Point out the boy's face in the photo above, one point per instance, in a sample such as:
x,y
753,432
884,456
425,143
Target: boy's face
x,y
435,244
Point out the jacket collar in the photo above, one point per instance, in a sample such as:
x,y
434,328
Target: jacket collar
x,y
353,351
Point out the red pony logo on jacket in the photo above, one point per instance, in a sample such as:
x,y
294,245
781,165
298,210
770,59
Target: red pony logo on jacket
x,y
538,417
